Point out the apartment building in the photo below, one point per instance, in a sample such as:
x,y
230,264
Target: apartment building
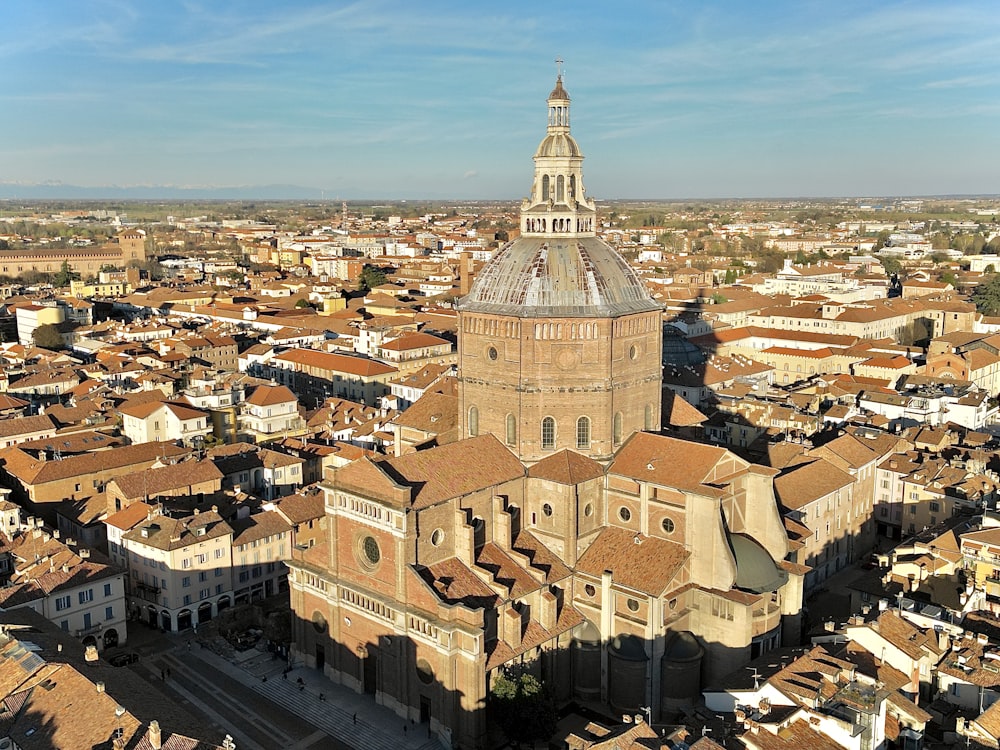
x,y
180,569
64,584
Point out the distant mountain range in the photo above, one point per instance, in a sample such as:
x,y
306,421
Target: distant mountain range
x,y
62,191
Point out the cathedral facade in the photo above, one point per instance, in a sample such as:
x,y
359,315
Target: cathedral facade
x,y
562,533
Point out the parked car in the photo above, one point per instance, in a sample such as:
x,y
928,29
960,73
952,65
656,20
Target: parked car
x,y
123,660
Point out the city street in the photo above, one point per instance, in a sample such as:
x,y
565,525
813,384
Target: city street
x,y
250,699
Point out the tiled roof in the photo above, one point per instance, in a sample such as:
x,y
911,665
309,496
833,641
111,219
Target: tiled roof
x,y
26,425
151,482
432,412
454,470
804,483
302,507
336,362
268,395
639,562
566,467
259,526
167,533
32,471
672,462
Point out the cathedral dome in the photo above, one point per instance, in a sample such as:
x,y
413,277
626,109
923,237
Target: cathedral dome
x,y
558,144
558,276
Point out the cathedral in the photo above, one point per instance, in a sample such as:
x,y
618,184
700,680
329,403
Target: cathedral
x,y
563,533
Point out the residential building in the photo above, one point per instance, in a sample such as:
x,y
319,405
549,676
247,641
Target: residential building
x,y
180,569
62,583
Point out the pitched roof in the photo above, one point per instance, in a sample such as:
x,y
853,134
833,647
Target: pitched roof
x,y
639,562
566,467
259,526
268,395
184,474
336,362
30,470
454,470
806,482
165,533
672,462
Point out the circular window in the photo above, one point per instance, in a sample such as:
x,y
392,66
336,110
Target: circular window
x,y
437,537
632,605
424,671
492,353
370,553
624,513
319,622
589,589
547,509
633,352
588,510
668,525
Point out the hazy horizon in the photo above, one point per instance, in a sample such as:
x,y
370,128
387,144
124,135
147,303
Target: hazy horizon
x,y
367,99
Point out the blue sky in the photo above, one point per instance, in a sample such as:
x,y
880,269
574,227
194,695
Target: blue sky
x,y
435,99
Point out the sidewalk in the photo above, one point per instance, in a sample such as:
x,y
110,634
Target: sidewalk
x,y
354,719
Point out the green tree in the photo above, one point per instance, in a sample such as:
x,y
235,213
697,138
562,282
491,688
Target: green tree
x,y
303,303
987,296
718,298
523,707
371,277
48,337
64,275
892,266
949,277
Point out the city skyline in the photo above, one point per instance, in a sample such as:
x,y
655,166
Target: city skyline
x,y
381,99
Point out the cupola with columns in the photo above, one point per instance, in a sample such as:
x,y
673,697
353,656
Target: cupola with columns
x,y
558,204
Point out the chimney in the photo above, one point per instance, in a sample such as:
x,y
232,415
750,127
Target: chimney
x,y
90,654
84,554
944,642
100,687
155,741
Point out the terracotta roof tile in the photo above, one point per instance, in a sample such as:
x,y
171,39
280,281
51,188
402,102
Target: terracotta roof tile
x,y
566,467
648,566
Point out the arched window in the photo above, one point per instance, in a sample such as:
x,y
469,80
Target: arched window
x,y
545,187
473,421
548,433
560,188
648,417
572,186
583,433
618,428
511,429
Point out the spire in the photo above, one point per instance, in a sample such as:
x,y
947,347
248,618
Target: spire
x,y
558,205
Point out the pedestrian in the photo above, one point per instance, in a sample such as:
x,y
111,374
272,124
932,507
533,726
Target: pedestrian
x,y
322,697
168,671
163,675
265,679
355,718
284,676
